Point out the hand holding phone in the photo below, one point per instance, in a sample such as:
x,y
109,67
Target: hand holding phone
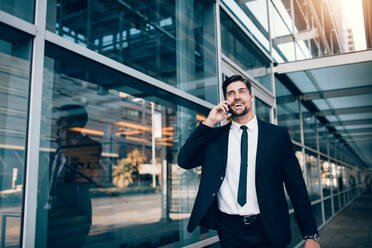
x,y
218,113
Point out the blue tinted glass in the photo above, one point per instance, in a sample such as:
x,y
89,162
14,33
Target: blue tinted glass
x,y
173,40
15,64
108,172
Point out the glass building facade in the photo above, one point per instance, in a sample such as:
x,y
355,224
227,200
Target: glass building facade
x,y
97,98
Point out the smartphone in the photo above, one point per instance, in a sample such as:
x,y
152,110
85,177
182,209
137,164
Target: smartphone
x,y
229,106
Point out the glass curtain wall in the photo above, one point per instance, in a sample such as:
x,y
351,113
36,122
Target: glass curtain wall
x,y
288,110
15,54
107,171
240,49
23,9
262,110
108,174
171,40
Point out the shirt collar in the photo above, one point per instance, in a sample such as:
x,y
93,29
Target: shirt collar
x,y
252,124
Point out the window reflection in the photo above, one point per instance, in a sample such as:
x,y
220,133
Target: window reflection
x,y
23,9
309,129
108,173
157,38
312,172
335,176
262,110
237,47
15,51
326,176
288,110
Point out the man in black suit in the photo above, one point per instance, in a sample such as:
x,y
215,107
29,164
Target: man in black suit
x,y
244,165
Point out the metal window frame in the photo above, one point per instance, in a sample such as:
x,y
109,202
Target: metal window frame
x,y
245,31
324,62
113,64
18,23
33,131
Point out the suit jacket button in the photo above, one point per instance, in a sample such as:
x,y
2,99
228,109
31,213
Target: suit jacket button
x,y
214,194
221,178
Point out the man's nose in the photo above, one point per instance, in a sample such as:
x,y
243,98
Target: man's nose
x,y
237,96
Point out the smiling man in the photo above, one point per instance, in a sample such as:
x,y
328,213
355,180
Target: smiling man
x,y
244,166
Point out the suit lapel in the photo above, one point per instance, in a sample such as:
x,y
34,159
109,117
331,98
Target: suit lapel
x,y
260,145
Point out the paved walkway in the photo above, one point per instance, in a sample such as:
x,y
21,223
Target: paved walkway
x,y
352,228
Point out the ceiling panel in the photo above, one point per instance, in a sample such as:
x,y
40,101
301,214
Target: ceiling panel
x,y
344,76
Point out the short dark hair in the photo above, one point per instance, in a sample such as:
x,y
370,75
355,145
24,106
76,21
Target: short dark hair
x,y
235,78
75,115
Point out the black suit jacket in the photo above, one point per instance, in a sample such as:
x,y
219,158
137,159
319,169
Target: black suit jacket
x,y
276,164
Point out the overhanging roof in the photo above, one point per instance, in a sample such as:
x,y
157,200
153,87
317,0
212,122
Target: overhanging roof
x,y
339,90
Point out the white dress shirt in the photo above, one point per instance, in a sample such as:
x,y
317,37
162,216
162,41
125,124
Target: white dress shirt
x,y
228,193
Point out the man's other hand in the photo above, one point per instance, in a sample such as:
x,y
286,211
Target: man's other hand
x,y
310,243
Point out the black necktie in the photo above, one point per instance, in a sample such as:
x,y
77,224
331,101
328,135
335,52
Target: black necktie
x,y
242,190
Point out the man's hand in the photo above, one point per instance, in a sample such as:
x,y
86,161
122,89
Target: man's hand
x,y
218,113
310,243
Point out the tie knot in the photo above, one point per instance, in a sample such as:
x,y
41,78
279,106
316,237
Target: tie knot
x,y
243,127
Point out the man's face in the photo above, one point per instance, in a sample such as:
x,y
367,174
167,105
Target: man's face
x,y
239,97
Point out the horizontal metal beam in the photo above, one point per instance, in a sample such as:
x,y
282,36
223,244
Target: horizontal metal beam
x,y
17,23
327,61
359,130
350,123
244,30
346,111
302,35
126,70
360,137
355,91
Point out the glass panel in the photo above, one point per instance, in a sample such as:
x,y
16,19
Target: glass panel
x,y
23,9
328,208
253,15
262,110
15,53
281,30
336,203
326,176
239,48
108,172
342,200
287,108
340,179
322,131
157,38
309,128
331,140
335,175
317,212
353,182
313,181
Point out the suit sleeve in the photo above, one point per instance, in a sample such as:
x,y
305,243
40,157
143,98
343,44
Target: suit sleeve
x,y
296,188
192,152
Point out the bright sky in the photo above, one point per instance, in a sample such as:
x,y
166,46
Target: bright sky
x,y
353,12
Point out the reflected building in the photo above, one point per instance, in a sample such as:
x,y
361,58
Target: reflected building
x,y
97,97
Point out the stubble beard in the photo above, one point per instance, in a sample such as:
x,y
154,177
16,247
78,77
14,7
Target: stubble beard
x,y
235,114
